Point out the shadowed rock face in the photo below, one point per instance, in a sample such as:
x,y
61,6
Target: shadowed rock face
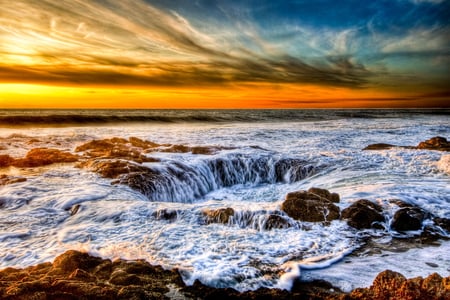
x,y
77,275
363,214
436,143
408,218
314,205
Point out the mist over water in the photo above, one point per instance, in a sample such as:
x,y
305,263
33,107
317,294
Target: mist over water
x,y
263,155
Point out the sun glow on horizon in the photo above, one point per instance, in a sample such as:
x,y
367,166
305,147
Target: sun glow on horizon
x,y
244,96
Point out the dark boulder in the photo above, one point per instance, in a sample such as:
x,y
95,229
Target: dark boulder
x,y
275,222
408,218
363,214
310,206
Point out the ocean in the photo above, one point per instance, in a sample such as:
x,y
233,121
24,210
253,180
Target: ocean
x,y
253,158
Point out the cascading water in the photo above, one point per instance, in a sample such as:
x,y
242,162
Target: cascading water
x,y
175,181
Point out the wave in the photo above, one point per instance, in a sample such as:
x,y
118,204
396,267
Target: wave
x,y
68,117
177,181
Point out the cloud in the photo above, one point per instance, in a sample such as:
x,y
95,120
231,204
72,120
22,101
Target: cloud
x,y
134,43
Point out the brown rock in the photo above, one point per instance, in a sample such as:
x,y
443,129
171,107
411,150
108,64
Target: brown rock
x,y
117,148
221,215
309,207
6,179
379,146
72,260
435,143
82,276
44,156
333,197
363,214
408,218
5,160
137,142
276,222
392,285
112,168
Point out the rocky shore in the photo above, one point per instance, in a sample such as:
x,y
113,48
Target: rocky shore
x,y
77,275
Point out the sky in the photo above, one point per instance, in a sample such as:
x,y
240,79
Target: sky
x,y
224,54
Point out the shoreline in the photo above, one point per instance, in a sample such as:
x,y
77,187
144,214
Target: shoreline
x,y
78,275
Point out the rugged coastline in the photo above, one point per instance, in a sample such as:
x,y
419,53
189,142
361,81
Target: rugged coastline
x,y
76,275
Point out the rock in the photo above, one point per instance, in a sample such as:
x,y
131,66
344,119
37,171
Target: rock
x,y
109,168
310,207
5,160
435,143
275,222
137,142
444,223
165,214
117,148
221,215
205,150
74,209
393,285
38,157
333,197
363,214
408,218
6,179
71,260
77,275
379,146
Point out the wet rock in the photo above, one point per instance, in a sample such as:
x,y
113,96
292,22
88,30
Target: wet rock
x,y
117,148
81,276
309,207
363,214
379,146
435,143
38,157
112,168
444,223
205,150
221,215
333,197
137,142
393,285
74,209
5,160
6,179
72,260
408,218
165,214
275,222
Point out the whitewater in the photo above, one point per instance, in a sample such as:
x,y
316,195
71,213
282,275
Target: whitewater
x,y
258,157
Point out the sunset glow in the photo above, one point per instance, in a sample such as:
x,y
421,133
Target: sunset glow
x,y
226,54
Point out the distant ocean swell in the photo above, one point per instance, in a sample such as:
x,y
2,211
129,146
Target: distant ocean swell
x,y
68,117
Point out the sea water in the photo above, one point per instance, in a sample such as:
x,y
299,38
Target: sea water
x,y
116,221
